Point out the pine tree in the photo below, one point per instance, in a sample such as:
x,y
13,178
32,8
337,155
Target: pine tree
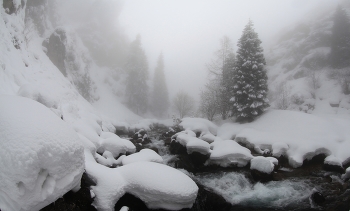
x,y
160,102
249,98
340,40
137,74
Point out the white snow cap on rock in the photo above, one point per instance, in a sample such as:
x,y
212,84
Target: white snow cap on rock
x,y
199,125
41,158
298,135
262,164
158,185
144,155
116,145
193,144
229,153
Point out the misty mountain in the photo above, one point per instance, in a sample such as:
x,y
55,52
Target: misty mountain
x,y
301,76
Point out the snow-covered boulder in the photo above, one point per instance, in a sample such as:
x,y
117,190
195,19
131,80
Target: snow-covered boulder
x,y
198,125
115,144
41,158
262,167
193,144
229,153
144,155
332,163
158,185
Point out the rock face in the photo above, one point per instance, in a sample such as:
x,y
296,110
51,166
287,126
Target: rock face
x,y
56,49
11,7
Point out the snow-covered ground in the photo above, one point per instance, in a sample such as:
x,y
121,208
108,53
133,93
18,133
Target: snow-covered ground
x,y
49,134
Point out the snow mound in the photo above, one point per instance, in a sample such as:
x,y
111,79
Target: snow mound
x,y
229,153
347,174
41,158
199,125
262,164
115,144
144,155
298,135
193,144
158,185
332,160
208,137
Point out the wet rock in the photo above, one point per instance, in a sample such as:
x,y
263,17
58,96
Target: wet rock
x,y
317,198
177,149
261,176
335,168
79,201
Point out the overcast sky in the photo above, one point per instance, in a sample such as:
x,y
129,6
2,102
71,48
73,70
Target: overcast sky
x,y
188,31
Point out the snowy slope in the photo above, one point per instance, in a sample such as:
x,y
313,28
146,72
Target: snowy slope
x,y
300,77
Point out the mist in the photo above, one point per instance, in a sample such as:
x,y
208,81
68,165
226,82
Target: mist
x,y
188,32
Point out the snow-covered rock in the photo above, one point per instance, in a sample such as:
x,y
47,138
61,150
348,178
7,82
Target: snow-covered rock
x,y
158,185
41,158
347,174
229,153
115,145
144,155
198,125
193,144
262,164
297,135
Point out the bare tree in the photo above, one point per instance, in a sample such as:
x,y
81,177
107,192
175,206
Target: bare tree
x,y
283,96
314,82
183,104
209,101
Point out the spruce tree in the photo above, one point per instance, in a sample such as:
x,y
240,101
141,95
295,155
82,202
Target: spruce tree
x,y
249,98
137,74
160,98
340,40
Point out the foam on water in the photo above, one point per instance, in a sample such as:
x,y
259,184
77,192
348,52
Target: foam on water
x,y
237,189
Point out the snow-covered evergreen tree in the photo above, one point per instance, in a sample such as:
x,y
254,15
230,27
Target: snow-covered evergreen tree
x,y
160,98
249,98
137,74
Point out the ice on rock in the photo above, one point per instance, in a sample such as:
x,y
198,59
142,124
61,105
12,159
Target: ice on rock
x,y
41,158
144,155
262,164
193,144
229,153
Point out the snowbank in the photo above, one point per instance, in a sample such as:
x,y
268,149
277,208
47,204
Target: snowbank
x,y
199,125
298,135
229,153
41,158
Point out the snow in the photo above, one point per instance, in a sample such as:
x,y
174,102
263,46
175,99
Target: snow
x,y
332,160
158,185
198,125
41,157
229,153
298,135
116,145
208,137
144,155
262,164
347,174
192,144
